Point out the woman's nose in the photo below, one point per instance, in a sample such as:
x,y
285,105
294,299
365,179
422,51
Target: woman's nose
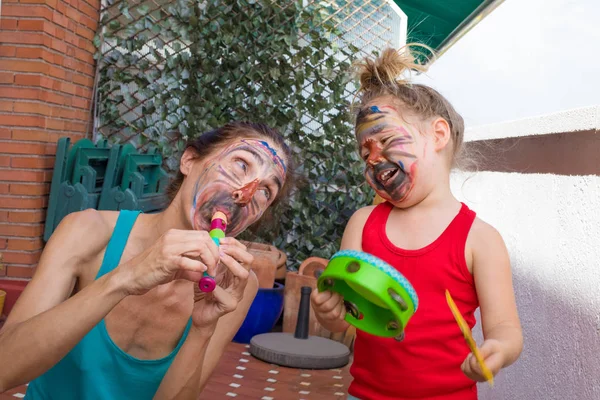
x,y
243,195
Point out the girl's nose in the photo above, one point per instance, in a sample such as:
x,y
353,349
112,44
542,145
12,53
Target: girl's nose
x,y
243,195
374,153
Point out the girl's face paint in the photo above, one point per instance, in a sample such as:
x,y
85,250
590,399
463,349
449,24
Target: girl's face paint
x,y
241,181
388,146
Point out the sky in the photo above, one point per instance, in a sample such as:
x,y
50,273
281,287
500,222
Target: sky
x,y
527,58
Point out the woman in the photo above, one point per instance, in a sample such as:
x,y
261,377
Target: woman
x,y
114,310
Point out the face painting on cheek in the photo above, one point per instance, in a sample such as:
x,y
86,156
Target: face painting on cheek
x,y
236,183
388,148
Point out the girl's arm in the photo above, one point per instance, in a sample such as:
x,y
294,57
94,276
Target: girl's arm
x,y
503,337
329,307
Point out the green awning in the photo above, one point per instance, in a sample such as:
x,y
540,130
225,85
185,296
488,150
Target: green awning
x,y
440,23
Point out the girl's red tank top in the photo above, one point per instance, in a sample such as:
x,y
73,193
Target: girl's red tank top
x,y
426,364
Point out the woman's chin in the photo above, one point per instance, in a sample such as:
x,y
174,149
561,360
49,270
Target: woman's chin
x,y
199,224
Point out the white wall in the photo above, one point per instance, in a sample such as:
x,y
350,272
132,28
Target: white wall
x,y
551,225
573,120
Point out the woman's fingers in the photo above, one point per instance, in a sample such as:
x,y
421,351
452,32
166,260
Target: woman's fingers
x,y
196,244
190,269
239,253
225,301
238,271
191,265
231,241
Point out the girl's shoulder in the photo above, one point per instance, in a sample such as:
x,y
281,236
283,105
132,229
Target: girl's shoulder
x,y
482,233
361,215
484,241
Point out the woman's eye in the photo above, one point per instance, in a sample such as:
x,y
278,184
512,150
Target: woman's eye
x,y
267,193
242,164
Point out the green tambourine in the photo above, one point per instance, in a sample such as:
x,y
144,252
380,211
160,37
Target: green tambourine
x,y
378,298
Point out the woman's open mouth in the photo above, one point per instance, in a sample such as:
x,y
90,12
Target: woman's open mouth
x,y
225,211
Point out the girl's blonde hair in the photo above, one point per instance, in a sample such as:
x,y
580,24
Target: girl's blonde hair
x,y
386,75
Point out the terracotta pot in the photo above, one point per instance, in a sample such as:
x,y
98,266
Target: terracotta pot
x,y
13,290
313,266
266,259
2,297
291,304
307,276
281,271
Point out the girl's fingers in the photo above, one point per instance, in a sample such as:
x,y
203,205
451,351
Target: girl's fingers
x,y
342,311
332,303
319,298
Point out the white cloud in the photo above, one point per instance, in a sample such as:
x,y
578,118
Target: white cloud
x,y
527,58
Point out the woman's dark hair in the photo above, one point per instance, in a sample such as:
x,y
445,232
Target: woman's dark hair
x,y
208,142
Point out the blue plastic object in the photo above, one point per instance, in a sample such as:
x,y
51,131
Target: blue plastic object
x,y
263,314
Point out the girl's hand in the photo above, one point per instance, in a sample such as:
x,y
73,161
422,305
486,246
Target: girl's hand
x,y
492,352
209,307
329,306
178,254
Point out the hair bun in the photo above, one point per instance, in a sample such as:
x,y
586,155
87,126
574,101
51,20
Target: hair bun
x,y
387,70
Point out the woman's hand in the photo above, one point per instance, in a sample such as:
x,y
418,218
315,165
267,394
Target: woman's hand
x,y
231,282
492,353
178,254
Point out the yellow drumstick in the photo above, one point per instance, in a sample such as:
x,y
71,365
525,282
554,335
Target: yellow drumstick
x,y
464,327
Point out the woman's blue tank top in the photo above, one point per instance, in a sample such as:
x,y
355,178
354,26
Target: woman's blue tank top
x,y
96,368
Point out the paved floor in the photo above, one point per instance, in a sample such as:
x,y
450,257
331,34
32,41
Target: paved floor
x,y
241,376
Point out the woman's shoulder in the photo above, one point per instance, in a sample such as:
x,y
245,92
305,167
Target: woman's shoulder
x,y
86,233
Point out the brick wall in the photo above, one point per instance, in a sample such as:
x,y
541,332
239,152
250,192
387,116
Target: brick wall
x,y
46,81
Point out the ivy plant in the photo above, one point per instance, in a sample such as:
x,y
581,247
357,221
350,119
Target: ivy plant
x,y
173,72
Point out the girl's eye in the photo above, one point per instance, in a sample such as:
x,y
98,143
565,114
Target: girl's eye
x,y
242,164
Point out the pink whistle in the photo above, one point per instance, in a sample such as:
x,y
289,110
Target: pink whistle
x,y
218,223
207,283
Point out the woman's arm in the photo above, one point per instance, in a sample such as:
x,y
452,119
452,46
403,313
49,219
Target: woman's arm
x,y
499,318
42,327
202,350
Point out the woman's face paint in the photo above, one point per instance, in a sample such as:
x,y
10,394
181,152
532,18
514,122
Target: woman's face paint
x,y
241,181
389,149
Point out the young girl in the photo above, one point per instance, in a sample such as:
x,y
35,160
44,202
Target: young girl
x,y
409,137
